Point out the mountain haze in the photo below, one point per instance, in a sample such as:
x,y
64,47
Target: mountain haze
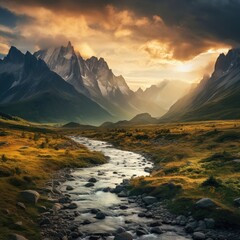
x,y
215,97
166,93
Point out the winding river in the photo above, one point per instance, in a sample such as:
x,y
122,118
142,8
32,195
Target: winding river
x,y
121,165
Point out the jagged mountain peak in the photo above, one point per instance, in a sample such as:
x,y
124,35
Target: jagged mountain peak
x,y
139,91
215,97
229,61
69,45
14,55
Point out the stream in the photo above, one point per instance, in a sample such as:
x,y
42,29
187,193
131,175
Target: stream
x,y
119,211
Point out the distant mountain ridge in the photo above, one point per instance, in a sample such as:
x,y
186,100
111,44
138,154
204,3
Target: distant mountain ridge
x,y
166,93
215,97
29,89
140,119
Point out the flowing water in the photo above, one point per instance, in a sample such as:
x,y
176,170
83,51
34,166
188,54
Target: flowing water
x,y
121,165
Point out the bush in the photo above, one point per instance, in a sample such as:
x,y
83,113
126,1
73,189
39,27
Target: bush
x,y
4,158
36,136
141,137
212,182
5,172
228,136
43,145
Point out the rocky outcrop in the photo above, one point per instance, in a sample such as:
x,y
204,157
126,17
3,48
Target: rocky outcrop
x,y
30,196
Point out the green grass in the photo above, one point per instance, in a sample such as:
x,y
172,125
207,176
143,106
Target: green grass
x,y
195,158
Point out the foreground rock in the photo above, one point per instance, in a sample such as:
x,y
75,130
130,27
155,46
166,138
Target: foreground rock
x,y
237,202
205,203
30,196
123,236
149,200
17,237
199,236
100,215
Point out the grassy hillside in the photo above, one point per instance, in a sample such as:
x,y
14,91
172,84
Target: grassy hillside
x,y
29,156
192,161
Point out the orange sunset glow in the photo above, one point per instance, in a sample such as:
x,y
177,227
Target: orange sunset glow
x,y
142,46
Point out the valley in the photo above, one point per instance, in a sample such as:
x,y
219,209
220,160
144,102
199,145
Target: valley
x,y
186,162
119,120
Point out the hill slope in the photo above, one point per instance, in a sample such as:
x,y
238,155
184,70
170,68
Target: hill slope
x,y
217,97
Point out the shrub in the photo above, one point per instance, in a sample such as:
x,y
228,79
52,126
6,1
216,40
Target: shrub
x,y
23,135
18,170
228,136
4,158
36,136
141,136
5,172
43,145
212,182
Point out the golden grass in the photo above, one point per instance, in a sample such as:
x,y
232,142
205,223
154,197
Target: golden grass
x,y
180,152
27,160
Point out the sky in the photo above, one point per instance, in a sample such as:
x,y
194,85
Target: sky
x,y
146,41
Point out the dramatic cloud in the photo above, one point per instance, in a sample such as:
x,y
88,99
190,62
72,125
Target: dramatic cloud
x,y
144,40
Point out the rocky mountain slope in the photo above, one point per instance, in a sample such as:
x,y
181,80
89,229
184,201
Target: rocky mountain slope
x,y
93,78
215,97
29,89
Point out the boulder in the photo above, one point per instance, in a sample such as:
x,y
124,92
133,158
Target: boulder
x,y
141,215
94,210
210,223
149,200
57,207
123,236
30,196
120,230
21,205
45,221
123,207
191,226
123,194
199,236
205,203
156,230
72,206
181,220
89,184
86,222
17,237
64,200
237,202
69,188
100,215
141,231
92,180
155,224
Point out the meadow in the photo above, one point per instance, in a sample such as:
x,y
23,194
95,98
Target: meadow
x,y
191,161
30,155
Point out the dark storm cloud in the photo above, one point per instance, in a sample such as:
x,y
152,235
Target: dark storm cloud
x,y
190,26
206,18
9,19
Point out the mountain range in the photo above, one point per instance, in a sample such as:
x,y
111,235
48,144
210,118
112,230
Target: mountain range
x,y
93,78
215,97
29,89
59,85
